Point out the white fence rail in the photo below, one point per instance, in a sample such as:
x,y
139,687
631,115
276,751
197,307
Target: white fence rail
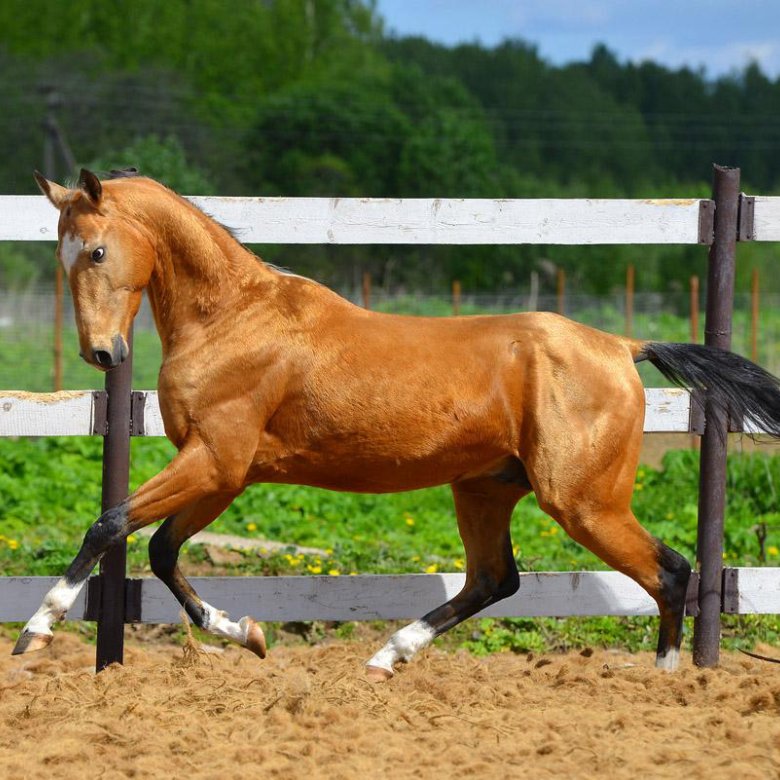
x,y
385,221
72,413
412,221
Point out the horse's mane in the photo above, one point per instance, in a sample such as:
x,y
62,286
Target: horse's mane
x,y
215,273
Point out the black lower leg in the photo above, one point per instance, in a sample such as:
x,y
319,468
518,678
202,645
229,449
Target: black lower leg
x,y
486,589
110,528
674,571
164,549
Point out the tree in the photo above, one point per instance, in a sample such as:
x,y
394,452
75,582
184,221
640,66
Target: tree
x,y
163,160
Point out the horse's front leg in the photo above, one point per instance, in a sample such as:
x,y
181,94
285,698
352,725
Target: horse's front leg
x,y
191,476
163,555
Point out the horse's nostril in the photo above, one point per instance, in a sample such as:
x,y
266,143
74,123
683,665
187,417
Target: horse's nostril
x,y
102,357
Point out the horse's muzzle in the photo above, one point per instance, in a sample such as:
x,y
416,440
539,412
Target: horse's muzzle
x,y
104,359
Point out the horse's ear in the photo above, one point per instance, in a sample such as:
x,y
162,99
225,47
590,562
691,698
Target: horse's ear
x,y
54,192
90,185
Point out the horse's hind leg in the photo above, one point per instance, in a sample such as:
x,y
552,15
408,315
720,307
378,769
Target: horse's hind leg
x,y
484,508
164,549
597,514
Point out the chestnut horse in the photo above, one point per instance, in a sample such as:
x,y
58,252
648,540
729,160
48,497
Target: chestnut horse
x,y
270,377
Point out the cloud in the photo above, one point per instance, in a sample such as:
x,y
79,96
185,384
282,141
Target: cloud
x,y
716,58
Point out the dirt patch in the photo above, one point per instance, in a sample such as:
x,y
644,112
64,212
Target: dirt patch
x,y
307,712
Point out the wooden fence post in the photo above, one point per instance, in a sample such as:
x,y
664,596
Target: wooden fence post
x,y
712,476
116,482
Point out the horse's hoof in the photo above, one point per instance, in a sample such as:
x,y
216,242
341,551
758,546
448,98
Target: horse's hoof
x,y
255,638
29,642
377,674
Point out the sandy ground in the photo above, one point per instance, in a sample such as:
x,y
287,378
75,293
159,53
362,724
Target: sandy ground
x,y
309,713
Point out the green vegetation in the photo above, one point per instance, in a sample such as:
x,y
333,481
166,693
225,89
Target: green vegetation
x,y
26,352
300,98
303,98
50,493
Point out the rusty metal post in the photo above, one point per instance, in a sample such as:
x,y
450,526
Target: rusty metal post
x,y
116,483
561,290
712,479
629,300
694,309
366,290
754,299
456,298
49,169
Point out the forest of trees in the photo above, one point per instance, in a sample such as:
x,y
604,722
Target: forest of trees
x,y
312,97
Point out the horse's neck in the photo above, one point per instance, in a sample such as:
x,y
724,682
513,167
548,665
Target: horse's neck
x,y
200,271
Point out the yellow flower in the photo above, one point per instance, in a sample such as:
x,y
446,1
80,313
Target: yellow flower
x,y
432,569
251,527
458,564
314,569
131,539
773,551
410,521
353,574
334,572
640,486
12,544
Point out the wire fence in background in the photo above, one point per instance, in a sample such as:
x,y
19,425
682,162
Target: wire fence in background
x,y
27,327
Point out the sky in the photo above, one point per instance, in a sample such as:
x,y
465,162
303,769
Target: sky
x,y
719,35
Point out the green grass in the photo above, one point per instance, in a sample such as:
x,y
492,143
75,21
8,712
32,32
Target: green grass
x,y
26,355
50,493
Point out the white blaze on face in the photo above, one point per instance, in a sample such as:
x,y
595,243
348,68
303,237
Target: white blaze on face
x,y
70,248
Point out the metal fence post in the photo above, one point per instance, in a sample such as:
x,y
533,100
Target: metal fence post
x,y
116,483
712,478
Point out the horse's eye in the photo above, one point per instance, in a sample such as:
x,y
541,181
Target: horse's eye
x,y
98,254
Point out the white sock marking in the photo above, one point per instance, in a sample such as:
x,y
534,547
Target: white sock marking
x,y
55,606
668,662
403,645
219,623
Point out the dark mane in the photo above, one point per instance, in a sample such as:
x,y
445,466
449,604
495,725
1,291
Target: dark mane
x,y
123,173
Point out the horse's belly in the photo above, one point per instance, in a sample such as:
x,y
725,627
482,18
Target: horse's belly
x,y
383,465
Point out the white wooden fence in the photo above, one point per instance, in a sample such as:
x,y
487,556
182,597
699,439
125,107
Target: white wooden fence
x,y
383,221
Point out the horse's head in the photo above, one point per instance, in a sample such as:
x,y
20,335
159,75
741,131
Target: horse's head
x,y
108,259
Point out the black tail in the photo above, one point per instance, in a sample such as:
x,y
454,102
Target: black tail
x,y
732,383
